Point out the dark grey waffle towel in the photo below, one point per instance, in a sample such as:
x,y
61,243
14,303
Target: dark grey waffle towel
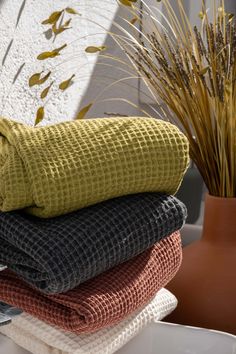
x,y
57,254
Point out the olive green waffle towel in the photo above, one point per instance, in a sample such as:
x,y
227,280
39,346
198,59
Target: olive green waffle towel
x,y
56,169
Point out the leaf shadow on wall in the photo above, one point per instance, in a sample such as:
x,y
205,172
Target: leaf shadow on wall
x,y
8,49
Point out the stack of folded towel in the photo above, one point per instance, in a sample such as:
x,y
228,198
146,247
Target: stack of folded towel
x,y
97,236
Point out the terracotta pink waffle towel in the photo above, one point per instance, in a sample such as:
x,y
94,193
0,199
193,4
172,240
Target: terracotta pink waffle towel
x,y
104,300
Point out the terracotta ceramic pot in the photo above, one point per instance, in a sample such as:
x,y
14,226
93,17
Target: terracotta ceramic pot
x,y
205,285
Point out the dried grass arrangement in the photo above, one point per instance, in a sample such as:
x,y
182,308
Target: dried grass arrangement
x,y
191,74
193,71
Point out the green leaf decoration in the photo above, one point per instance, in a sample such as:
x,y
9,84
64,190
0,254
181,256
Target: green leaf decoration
x,y
34,79
44,79
69,10
45,22
39,115
84,111
57,50
52,54
44,93
67,23
94,49
47,55
53,18
65,84
62,28
126,3
59,30
54,28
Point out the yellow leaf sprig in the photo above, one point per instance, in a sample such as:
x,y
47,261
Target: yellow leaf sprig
x,y
95,49
65,84
82,113
51,54
71,11
56,15
53,20
128,3
45,92
63,27
58,26
39,115
36,79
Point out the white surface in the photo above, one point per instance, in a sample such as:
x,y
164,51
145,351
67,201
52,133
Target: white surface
x,y
7,346
164,338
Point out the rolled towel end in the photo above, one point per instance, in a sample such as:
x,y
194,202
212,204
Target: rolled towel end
x,y
14,181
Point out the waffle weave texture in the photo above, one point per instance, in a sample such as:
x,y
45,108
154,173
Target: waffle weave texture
x,y
57,169
104,300
57,254
40,338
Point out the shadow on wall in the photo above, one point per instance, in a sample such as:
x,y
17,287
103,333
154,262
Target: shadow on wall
x,y
105,75
1,2
230,6
9,46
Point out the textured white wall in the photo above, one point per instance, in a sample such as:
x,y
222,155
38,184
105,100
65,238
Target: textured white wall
x,y
17,100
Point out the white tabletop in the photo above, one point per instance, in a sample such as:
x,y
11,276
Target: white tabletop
x,y
162,338
7,346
